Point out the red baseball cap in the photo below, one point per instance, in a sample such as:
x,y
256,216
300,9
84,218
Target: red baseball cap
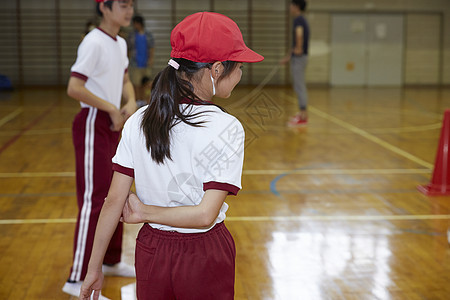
x,y
209,37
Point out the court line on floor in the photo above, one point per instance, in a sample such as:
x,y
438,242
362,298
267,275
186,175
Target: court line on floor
x,y
407,129
27,128
371,138
302,191
337,171
252,172
263,219
37,195
367,135
358,131
372,130
37,174
39,132
282,174
10,116
37,221
339,218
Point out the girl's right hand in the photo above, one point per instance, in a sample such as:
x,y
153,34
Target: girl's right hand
x,y
93,282
133,210
117,119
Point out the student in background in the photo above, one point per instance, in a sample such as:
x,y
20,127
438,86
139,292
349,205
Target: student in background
x,y
298,56
99,80
141,51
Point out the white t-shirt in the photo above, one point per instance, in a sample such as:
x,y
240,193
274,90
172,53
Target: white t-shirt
x,y
208,157
102,62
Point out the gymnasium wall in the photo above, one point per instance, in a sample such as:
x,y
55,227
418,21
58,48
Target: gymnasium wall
x,y
38,40
426,39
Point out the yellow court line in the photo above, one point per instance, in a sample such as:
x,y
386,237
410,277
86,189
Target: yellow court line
x,y
38,132
369,136
49,131
252,172
37,174
264,219
37,221
339,218
10,116
337,171
407,129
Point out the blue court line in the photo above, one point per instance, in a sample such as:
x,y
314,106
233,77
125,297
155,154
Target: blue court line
x,y
273,184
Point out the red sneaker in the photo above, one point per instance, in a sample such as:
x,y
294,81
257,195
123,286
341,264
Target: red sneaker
x,y
297,121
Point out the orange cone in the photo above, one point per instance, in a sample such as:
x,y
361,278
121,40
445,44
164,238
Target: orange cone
x,y
440,181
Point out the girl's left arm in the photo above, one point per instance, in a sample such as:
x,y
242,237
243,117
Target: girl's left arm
x,y
107,223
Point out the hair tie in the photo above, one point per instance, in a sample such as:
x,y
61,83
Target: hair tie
x,y
173,64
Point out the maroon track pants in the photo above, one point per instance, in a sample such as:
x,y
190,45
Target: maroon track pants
x,y
95,145
172,265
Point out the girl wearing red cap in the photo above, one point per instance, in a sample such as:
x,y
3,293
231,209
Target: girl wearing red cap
x,y
185,155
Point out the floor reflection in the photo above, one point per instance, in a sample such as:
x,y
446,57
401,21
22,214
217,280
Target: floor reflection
x,y
310,265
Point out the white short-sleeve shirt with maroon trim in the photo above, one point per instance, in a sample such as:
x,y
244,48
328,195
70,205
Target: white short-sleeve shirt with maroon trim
x,y
208,157
102,62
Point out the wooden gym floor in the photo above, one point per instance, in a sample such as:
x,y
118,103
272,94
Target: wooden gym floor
x,y
330,211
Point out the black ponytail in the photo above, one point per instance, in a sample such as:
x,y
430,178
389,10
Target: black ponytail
x,y
169,88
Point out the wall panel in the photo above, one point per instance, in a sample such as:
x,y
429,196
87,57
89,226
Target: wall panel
x,y
39,47
269,39
318,70
39,38
72,25
10,63
423,54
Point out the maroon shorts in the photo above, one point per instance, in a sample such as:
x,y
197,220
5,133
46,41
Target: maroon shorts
x,y
172,265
